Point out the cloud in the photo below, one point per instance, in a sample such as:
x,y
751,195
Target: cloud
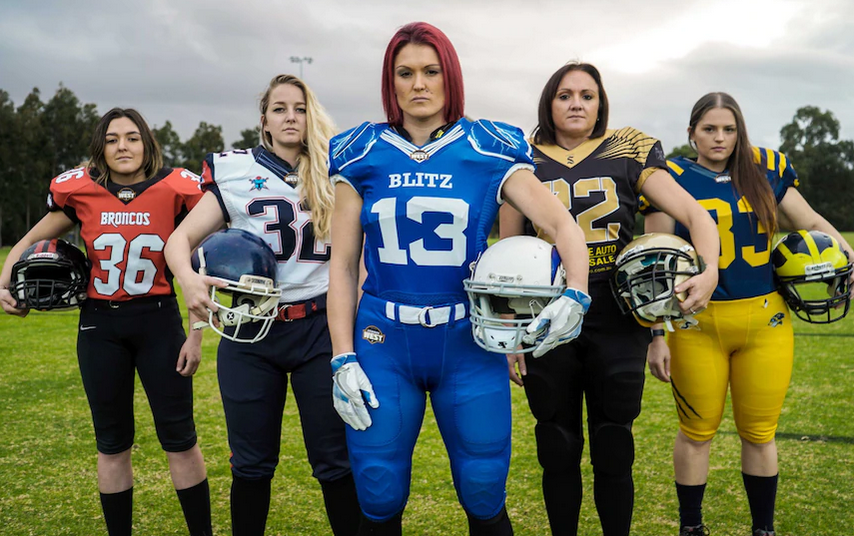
x,y
189,61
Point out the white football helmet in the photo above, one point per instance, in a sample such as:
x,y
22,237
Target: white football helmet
x,y
647,271
519,276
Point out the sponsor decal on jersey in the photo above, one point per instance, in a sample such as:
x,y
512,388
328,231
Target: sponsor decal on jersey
x,y
258,183
419,155
373,335
126,194
125,218
291,179
723,177
776,320
420,180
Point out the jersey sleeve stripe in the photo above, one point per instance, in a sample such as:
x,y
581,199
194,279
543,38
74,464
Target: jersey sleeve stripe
x,y
513,169
676,169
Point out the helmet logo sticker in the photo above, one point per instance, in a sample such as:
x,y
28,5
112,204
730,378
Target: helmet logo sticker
x,y
373,335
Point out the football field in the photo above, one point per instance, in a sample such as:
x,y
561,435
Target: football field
x,y
48,460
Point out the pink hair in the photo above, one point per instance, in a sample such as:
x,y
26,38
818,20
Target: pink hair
x,y
421,33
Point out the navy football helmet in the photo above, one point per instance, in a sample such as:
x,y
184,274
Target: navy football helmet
x,y
51,274
247,264
812,272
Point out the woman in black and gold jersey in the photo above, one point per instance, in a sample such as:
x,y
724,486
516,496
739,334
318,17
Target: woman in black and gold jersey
x,y
598,174
744,339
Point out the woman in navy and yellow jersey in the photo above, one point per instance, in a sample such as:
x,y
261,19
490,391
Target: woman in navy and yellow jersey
x,y
597,173
744,338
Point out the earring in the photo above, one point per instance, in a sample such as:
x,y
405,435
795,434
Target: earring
x,y
692,144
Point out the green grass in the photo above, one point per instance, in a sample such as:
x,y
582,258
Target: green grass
x,y
48,461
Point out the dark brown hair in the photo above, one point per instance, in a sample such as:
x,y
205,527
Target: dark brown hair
x,y
152,158
748,178
544,132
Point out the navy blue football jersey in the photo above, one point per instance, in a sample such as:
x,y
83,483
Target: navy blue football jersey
x,y
744,266
427,211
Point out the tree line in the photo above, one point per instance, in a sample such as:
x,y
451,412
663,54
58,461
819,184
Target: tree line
x,y
39,140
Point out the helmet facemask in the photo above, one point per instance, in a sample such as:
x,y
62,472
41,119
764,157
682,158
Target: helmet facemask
x,y
647,275
820,299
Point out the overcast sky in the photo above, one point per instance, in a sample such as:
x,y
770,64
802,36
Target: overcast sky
x,y
207,60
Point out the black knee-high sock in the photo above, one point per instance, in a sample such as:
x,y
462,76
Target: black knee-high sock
x,y
562,492
196,504
690,504
498,525
615,500
761,494
250,504
118,512
342,506
391,527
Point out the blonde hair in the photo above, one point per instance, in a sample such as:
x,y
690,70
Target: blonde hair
x,y
315,187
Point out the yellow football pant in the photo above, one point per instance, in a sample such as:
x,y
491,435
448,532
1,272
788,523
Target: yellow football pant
x,y
747,344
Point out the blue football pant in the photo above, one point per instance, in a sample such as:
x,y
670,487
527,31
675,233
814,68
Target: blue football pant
x,y
470,394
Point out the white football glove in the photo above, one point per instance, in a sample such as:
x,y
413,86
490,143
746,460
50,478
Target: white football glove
x,y
350,389
559,322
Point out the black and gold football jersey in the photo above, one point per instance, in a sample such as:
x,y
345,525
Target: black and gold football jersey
x,y
599,182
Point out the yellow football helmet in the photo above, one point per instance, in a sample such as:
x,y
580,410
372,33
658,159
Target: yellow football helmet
x,y
648,270
812,273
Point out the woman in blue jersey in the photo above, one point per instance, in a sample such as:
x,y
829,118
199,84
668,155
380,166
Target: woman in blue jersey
x,y
424,189
744,339
597,173
280,192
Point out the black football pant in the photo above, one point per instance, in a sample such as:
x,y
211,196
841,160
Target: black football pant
x,y
605,365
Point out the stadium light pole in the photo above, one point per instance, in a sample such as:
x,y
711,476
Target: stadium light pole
x,y
301,60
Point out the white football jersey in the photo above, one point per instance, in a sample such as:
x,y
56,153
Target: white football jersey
x,y
258,192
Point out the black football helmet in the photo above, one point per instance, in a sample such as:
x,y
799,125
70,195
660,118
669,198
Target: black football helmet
x,y
51,274
249,267
812,273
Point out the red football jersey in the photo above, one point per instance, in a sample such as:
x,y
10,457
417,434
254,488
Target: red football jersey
x,y
125,228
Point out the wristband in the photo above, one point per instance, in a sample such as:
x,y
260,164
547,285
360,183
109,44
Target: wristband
x,y
657,332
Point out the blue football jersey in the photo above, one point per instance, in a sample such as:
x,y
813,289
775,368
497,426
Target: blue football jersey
x,y
427,211
745,269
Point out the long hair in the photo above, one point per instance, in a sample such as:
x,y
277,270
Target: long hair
x,y
315,187
152,158
544,132
421,33
748,178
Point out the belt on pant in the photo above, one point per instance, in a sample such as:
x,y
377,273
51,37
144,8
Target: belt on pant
x,y
428,317
289,312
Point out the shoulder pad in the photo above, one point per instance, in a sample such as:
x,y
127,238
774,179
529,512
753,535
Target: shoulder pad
x,y
500,140
676,166
71,180
184,181
229,165
352,145
770,159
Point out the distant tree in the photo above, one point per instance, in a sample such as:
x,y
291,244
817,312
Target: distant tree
x,y
206,139
683,150
249,138
8,158
824,163
170,143
35,163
